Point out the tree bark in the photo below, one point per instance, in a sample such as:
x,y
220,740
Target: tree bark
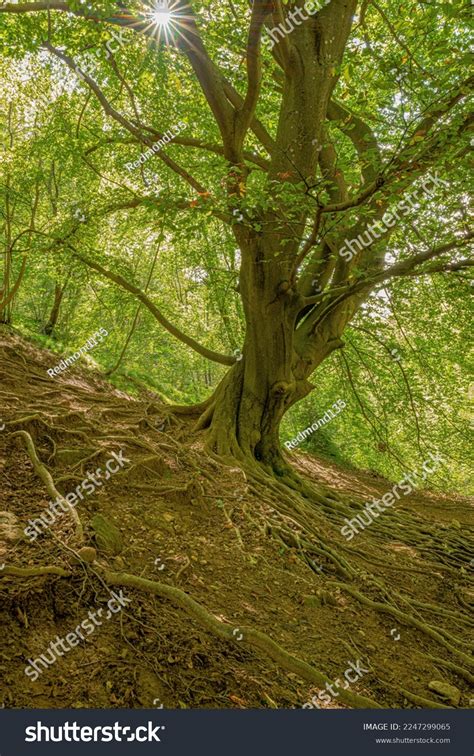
x,y
54,315
244,415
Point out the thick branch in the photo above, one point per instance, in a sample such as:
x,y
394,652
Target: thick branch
x,y
404,268
257,126
188,340
361,136
254,70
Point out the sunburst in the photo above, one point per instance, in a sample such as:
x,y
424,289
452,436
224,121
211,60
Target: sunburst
x,y
161,14
162,19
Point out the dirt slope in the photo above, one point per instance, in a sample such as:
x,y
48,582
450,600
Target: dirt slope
x,y
185,520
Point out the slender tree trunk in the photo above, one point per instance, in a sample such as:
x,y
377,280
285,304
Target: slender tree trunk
x,y
5,299
5,310
54,315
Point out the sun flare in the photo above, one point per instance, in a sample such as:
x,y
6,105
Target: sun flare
x,y
162,17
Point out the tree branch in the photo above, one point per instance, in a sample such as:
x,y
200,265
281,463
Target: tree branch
x,y
403,268
121,281
254,70
257,126
361,136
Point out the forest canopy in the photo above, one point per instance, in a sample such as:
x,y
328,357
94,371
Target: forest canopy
x,y
261,228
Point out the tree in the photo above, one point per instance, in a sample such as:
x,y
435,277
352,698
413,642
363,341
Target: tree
x,y
306,175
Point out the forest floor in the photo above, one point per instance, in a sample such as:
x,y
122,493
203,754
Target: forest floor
x,y
197,528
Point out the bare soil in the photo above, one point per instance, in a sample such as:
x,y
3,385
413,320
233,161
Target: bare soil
x,y
191,522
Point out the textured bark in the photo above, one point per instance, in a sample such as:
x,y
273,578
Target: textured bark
x,y
246,410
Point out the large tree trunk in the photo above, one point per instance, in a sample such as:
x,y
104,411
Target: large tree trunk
x,y
245,412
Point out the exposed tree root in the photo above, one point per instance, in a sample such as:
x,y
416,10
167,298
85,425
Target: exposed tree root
x,y
453,667
243,636
250,637
25,572
304,518
45,476
408,620
425,703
